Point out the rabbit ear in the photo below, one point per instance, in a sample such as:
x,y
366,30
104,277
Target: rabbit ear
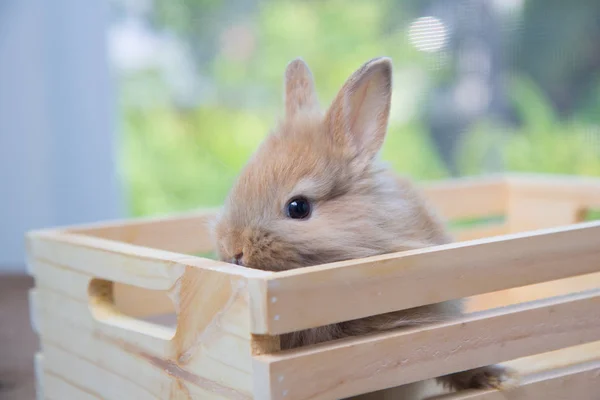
x,y
299,88
358,117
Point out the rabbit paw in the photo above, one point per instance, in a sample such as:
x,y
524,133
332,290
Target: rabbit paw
x,y
489,377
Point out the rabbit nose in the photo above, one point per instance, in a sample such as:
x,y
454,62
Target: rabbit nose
x,y
237,259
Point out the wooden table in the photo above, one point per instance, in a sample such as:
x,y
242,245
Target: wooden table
x,y
18,343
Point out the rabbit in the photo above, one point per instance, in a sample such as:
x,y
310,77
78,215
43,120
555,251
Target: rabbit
x,y
316,192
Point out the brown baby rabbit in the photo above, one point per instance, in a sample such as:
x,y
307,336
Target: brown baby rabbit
x,y
315,192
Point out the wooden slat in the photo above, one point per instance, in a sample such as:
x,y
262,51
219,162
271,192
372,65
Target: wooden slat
x,y
121,262
142,303
134,269
186,233
538,291
293,300
480,232
113,261
75,285
149,338
583,190
468,197
556,360
133,301
366,364
541,201
115,362
94,378
212,343
526,214
581,382
58,388
568,373
211,346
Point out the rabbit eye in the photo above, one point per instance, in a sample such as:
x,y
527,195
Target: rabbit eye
x,y
298,208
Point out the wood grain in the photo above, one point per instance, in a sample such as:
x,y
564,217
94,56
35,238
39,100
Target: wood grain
x,y
468,197
568,373
186,233
94,283
362,365
579,382
114,261
583,190
539,201
286,301
480,232
209,355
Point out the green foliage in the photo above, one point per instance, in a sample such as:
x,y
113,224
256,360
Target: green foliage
x,y
178,161
592,215
409,151
175,160
333,37
541,143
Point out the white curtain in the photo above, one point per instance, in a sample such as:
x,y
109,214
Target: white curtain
x,y
57,120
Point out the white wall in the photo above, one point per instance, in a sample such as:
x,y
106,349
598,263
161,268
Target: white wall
x,y
57,120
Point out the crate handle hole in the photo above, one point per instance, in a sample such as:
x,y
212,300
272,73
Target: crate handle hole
x,y
132,308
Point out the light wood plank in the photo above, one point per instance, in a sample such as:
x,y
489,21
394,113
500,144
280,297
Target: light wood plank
x,y
111,358
568,373
557,360
60,388
135,270
542,201
468,197
122,262
480,232
66,281
583,190
212,342
75,285
526,214
142,303
132,301
186,233
149,338
363,365
527,293
293,300
96,379
581,382
114,261
214,324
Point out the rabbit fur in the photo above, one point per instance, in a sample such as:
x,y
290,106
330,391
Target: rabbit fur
x,y
359,207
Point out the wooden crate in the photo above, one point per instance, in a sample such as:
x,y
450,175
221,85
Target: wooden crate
x,y
100,288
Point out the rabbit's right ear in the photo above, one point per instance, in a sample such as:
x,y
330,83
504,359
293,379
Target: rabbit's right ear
x,y
299,88
358,117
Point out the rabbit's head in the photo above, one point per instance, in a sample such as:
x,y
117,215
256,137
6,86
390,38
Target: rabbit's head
x,y
314,191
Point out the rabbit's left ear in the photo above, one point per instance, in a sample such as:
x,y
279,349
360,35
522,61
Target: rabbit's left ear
x,y
358,117
299,88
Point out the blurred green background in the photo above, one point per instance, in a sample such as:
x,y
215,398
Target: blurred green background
x,y
479,86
